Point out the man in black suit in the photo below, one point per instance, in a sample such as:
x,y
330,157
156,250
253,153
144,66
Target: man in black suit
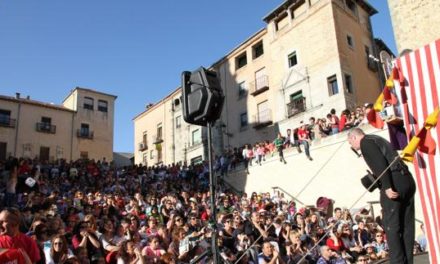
x,y
397,188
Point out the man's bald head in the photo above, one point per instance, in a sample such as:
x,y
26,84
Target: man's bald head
x,y
354,137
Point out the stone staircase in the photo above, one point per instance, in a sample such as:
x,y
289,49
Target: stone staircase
x,y
334,173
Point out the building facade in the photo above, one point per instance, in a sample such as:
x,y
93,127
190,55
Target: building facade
x,y
414,22
163,137
82,127
312,56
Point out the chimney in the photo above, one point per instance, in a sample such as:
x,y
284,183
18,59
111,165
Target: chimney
x,y
17,95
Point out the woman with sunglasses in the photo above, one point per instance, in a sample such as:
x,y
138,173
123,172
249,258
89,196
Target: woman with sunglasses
x,y
58,251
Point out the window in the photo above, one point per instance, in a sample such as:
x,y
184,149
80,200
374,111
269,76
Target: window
x,y
292,59
241,61
159,131
257,50
46,125
196,160
297,104
371,60
261,80
282,21
243,120
145,138
196,137
242,91
159,155
145,159
348,83
102,106
3,148
352,6
44,153
5,117
264,114
151,154
46,120
85,130
88,103
332,83
178,121
350,41
367,51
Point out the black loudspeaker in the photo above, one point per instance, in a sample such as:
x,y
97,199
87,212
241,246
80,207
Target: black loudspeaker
x,y
202,97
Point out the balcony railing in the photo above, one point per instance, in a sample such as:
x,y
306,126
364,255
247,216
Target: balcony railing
x,y
7,122
158,139
372,64
262,119
261,84
297,106
143,146
46,128
86,134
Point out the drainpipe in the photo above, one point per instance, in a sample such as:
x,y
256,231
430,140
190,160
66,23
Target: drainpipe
x,y
308,85
226,102
17,124
172,130
73,128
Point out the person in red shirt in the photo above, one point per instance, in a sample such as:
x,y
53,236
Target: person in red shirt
x,y
304,138
12,255
10,236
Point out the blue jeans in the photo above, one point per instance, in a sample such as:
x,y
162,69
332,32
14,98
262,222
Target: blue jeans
x,y
305,143
335,130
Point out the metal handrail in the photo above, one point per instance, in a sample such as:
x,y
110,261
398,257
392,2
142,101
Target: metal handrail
x,y
291,196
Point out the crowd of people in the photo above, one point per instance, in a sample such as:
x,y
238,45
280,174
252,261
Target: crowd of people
x,y
298,138
91,212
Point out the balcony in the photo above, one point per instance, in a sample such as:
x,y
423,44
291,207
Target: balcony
x,y
85,134
262,119
143,146
260,85
46,128
7,122
158,139
372,64
296,106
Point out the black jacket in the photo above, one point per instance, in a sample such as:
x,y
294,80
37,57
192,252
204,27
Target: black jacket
x,y
378,153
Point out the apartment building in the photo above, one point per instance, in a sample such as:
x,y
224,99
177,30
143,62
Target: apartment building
x,y
163,137
310,57
81,127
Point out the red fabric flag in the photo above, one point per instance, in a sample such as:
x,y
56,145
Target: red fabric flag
x,y
389,96
427,143
374,119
